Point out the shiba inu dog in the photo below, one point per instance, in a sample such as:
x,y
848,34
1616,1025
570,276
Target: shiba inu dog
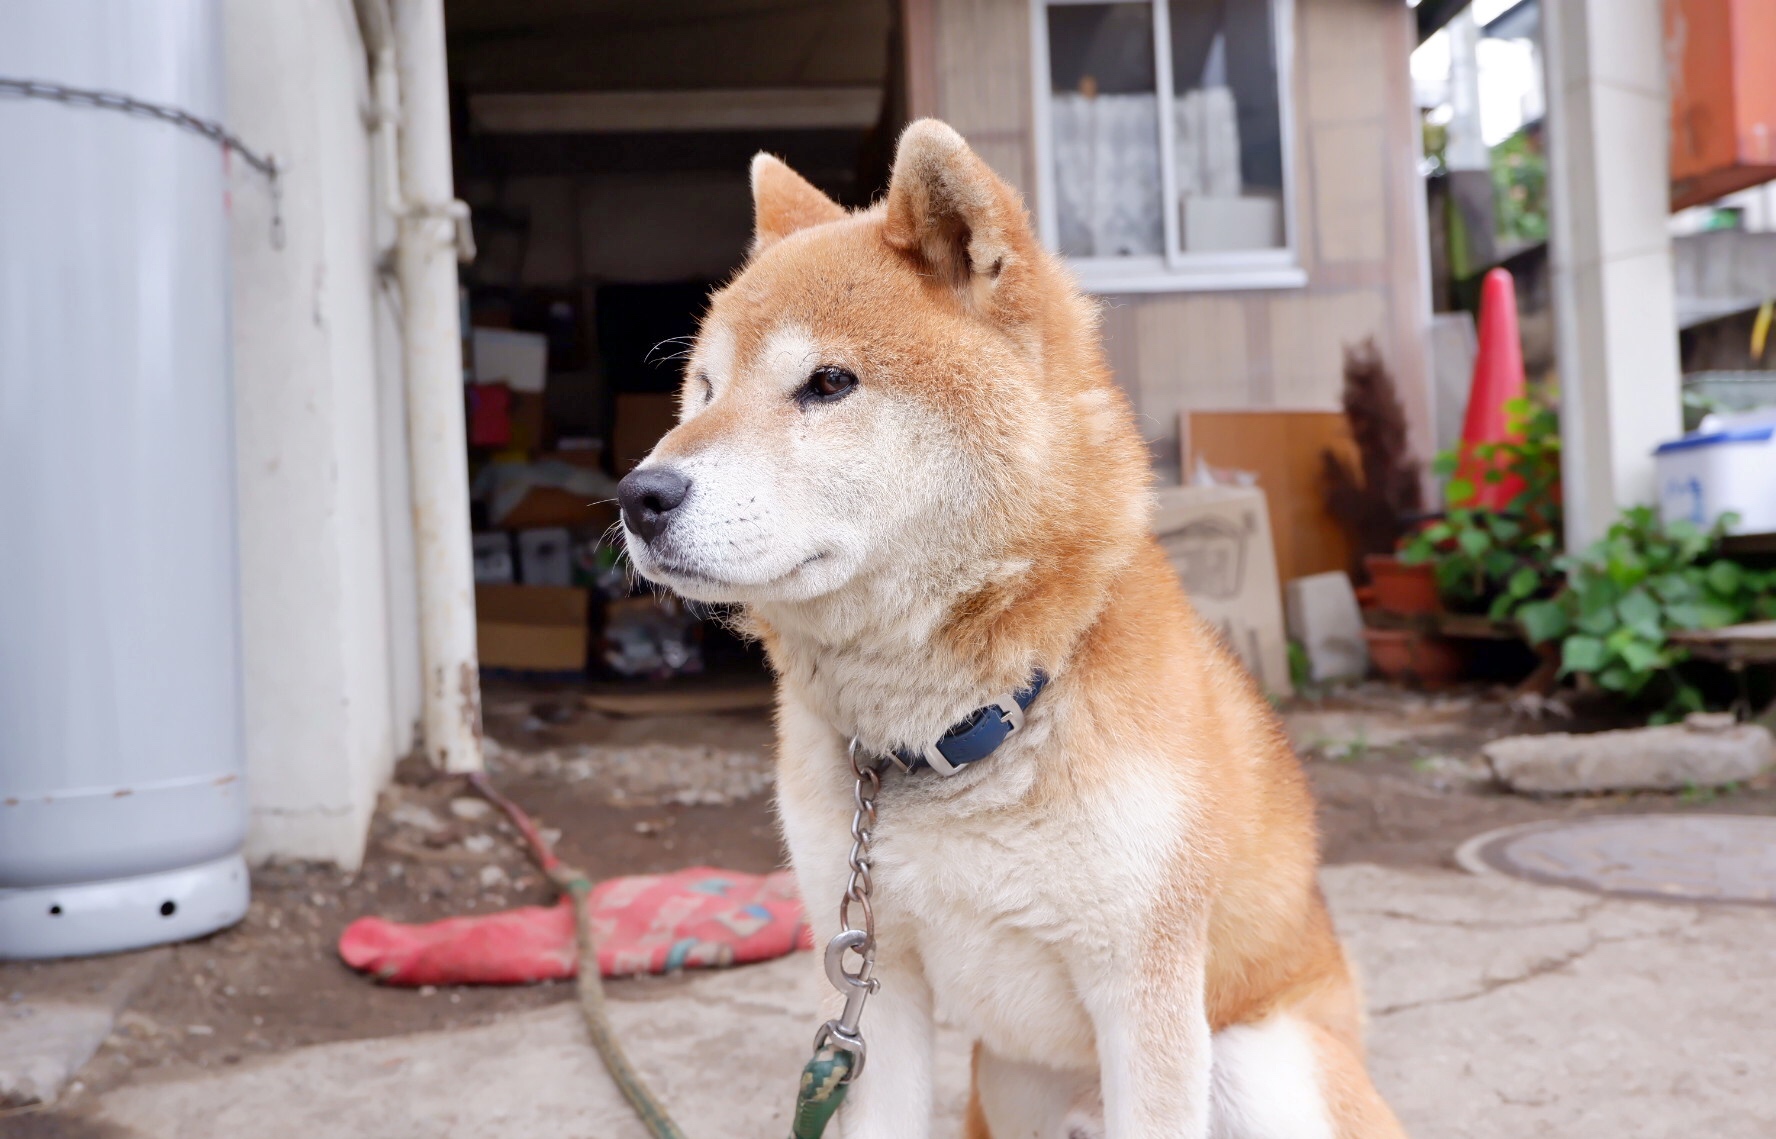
x,y
902,456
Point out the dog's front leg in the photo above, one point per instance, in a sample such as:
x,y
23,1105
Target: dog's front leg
x,y
1153,1040
892,1099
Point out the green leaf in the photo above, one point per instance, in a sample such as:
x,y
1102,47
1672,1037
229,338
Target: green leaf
x,y
1444,465
1459,491
1498,563
1642,657
1597,605
1543,620
1437,532
1725,578
1504,529
1690,540
1579,653
1616,678
1642,614
1626,566
1701,614
1523,582
1474,542
1673,588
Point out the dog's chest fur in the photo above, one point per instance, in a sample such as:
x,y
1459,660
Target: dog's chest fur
x,y
1008,909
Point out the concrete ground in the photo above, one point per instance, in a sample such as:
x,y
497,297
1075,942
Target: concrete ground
x,y
1500,1010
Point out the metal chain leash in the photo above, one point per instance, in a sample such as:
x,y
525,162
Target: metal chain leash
x,y
266,165
843,1032
838,1046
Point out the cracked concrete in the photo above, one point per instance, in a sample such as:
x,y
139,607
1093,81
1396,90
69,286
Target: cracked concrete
x,y
1500,1010
47,1037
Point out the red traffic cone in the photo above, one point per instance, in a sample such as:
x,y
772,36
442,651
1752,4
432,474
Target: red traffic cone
x,y
1498,379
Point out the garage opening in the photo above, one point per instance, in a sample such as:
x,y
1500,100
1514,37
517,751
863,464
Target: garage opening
x,y
603,147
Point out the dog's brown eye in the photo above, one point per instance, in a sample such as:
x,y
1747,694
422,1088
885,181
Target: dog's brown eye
x,y
827,384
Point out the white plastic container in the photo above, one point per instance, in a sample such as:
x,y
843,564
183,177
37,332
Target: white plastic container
x,y
122,806
1727,467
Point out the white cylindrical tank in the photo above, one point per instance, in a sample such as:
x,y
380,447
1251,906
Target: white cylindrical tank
x,y
122,810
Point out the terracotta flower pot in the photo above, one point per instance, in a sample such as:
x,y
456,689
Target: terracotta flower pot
x,y
1414,657
1401,588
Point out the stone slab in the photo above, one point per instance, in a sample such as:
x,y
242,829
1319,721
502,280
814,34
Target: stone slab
x,y
1701,752
1323,616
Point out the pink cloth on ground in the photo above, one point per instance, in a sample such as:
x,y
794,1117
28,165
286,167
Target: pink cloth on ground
x,y
646,923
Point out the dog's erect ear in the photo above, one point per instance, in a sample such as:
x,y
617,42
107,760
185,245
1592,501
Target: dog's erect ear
x,y
947,208
784,201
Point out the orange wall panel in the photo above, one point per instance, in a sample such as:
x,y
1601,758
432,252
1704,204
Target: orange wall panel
x,y
1721,58
1283,449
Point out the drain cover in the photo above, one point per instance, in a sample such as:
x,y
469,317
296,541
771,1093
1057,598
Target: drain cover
x,y
1692,858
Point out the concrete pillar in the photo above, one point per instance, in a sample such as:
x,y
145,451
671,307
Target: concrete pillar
x,y
328,627
1615,313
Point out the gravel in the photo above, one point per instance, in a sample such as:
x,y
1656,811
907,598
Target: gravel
x,y
652,774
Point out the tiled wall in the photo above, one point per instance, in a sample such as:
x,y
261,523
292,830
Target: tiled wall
x,y
1358,215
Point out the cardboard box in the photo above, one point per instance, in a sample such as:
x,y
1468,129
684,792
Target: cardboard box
x,y
545,557
493,558
520,360
577,451
641,419
1219,541
530,422
546,506
533,628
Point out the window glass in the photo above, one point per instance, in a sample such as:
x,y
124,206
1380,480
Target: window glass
x,y
1227,126
1104,115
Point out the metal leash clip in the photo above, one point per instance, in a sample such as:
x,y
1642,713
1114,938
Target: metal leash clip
x,y
843,1032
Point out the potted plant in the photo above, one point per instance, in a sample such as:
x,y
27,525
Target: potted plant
x,y
1402,587
1377,498
1414,656
1622,599
1494,561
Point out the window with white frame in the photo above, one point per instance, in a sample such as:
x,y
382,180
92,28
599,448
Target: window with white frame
x,y
1144,193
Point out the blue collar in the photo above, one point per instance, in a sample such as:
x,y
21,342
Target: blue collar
x,y
977,736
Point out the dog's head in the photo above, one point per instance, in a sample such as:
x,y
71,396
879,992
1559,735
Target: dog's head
x,y
907,398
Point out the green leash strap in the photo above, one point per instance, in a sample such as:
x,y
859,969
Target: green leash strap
x,y
823,1090
823,1080
647,1107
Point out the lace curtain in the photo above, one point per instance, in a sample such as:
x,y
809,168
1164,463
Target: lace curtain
x,y
1207,143
1107,175
1107,185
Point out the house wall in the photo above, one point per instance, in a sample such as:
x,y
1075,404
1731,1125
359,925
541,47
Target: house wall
x,y
1358,209
330,626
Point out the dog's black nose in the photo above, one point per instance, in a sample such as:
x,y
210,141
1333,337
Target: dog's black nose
x,y
649,497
